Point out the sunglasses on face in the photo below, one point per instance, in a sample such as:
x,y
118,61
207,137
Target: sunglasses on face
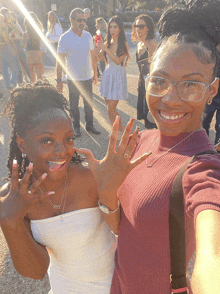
x,y
141,26
80,19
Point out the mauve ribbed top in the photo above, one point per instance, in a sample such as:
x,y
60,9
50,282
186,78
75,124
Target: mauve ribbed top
x,y
142,260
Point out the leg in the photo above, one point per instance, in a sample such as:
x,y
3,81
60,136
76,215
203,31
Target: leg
x,y
207,116
86,93
112,112
5,73
38,68
74,104
22,59
32,73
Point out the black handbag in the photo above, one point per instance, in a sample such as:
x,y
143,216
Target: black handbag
x,y
177,232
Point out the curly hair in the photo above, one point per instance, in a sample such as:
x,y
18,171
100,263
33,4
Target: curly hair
x,y
193,22
122,48
150,25
23,105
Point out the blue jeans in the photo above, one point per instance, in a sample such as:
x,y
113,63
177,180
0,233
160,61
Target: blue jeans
x,y
6,75
22,59
208,115
9,61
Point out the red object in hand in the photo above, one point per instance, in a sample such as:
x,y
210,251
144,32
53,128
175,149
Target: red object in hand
x,y
97,39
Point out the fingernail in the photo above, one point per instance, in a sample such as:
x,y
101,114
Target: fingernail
x,y
132,120
44,176
30,165
51,192
15,162
149,153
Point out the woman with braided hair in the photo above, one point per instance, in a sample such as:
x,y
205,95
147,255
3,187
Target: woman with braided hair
x,y
181,81
49,212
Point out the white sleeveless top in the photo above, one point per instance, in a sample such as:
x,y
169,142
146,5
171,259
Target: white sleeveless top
x,y
81,248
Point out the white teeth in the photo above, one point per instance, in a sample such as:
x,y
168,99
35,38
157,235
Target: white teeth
x,y
57,162
173,117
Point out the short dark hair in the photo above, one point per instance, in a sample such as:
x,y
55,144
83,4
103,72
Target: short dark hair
x,y
75,11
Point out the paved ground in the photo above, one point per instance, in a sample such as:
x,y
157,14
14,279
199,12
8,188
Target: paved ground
x,y
10,281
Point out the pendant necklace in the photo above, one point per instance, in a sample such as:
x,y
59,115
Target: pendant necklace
x,y
151,164
63,200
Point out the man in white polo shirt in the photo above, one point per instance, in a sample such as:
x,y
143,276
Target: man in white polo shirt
x,y
77,49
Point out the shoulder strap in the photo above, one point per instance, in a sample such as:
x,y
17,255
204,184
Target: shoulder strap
x,y
177,230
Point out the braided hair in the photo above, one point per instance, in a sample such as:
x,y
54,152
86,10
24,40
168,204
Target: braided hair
x,y
23,105
196,22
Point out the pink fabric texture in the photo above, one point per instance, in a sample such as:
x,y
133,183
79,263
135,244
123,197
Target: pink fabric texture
x,y
142,260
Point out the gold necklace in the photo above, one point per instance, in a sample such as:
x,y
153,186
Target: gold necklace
x,y
151,164
63,200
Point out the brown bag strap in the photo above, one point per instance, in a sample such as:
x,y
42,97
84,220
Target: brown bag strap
x,y
177,230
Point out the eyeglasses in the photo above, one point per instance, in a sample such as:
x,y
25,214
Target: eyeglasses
x,y
187,90
141,26
80,19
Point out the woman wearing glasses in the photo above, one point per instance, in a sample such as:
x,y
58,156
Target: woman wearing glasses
x,y
181,81
143,31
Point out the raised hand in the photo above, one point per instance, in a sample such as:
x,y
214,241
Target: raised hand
x,y
111,171
15,204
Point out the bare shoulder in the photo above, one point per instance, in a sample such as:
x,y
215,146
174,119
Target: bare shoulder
x,y
4,190
83,175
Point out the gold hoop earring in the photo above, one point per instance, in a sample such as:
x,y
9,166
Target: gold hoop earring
x,y
209,102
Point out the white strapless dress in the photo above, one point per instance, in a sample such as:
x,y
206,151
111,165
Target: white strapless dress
x,y
81,248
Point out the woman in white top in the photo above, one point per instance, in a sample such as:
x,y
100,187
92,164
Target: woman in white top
x,y
54,29
49,212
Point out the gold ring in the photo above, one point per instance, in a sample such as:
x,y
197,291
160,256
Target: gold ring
x,y
126,155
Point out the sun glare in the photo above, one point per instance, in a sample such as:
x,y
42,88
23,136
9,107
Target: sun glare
x,y
23,9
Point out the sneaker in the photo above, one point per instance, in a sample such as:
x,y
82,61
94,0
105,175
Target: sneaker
x,y
26,79
77,132
92,130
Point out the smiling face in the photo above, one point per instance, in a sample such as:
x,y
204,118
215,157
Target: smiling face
x,y
141,33
49,144
114,29
172,114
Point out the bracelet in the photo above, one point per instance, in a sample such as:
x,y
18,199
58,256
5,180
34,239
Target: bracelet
x,y
106,210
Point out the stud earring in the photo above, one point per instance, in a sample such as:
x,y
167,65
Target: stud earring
x,y
209,102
